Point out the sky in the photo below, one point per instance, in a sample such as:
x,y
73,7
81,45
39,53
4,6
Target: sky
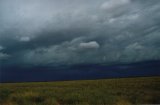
x,y
69,32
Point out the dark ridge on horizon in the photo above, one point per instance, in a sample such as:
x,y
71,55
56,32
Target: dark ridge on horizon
x,y
80,72
82,79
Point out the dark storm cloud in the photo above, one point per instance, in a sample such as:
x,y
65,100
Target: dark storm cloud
x,y
79,31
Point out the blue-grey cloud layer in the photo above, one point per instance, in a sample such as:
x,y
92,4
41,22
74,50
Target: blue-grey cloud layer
x,y
79,31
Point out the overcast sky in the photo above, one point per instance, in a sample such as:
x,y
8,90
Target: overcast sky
x,y
55,32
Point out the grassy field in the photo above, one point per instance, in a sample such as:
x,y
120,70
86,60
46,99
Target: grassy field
x,y
123,91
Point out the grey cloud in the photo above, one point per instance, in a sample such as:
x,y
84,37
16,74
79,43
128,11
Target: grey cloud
x,y
25,39
54,31
134,46
3,56
67,51
1,47
111,4
115,8
89,45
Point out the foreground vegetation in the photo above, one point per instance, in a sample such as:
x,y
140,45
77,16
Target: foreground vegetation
x,y
124,91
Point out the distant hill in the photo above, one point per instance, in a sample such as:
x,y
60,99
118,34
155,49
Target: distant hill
x,y
79,72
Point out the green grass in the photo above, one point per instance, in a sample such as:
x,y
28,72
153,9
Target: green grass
x,y
123,91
